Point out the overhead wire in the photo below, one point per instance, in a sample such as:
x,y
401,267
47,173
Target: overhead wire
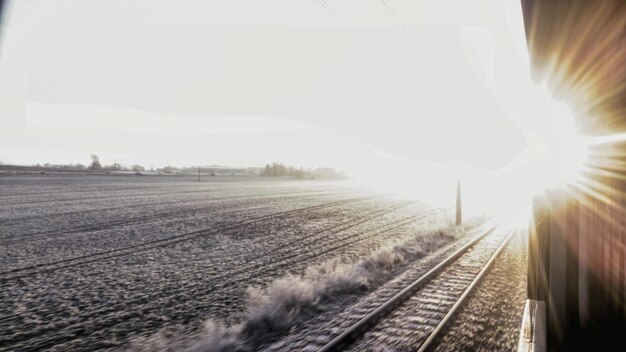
x,y
324,4
390,10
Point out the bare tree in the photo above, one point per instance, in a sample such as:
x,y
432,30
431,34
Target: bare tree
x,y
138,168
95,163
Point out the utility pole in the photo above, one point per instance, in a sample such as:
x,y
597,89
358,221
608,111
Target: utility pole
x,y
459,218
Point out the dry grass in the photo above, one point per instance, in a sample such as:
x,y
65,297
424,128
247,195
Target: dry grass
x,y
289,301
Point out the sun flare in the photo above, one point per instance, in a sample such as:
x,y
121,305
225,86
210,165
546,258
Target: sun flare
x,y
564,147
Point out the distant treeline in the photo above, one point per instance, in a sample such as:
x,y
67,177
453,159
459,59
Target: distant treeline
x,y
74,167
95,165
321,173
275,169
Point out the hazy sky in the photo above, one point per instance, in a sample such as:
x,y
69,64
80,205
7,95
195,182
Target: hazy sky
x,y
248,82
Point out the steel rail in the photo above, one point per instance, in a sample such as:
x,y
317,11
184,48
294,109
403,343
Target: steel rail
x,y
448,317
370,319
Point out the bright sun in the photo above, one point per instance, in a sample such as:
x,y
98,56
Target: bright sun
x,y
555,156
564,149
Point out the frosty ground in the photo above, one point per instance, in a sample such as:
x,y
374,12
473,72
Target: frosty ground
x,y
101,262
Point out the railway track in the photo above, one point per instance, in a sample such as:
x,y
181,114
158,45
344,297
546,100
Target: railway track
x,y
410,313
282,256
